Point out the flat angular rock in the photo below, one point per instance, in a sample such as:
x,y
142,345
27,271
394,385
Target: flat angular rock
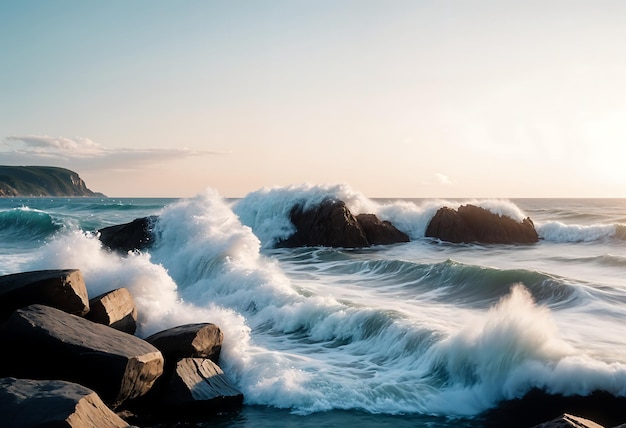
x,y
472,224
62,288
203,340
40,342
569,421
198,387
53,403
115,309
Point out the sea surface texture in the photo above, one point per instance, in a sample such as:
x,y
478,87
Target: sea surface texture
x,y
425,333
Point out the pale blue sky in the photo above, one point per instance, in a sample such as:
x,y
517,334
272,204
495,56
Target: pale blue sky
x,y
395,98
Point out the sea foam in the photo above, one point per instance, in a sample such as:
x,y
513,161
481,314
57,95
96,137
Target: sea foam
x,y
557,231
297,343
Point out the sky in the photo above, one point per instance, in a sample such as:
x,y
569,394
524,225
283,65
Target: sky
x,y
420,98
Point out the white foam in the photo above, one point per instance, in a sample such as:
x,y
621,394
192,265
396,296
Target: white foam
x,y
557,231
300,346
267,210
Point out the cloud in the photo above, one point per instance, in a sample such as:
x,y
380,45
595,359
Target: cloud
x,y
443,179
63,151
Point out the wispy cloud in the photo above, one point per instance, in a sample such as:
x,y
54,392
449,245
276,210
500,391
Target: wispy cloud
x,y
63,151
443,179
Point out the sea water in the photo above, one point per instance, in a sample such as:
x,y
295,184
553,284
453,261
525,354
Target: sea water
x,y
424,333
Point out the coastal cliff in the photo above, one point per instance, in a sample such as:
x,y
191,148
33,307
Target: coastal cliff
x,y
42,181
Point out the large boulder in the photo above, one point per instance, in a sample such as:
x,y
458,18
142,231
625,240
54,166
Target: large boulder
x,y
115,309
136,235
331,224
472,224
202,340
41,342
64,289
53,403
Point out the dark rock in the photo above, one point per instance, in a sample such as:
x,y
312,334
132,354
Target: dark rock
x,y
41,342
203,340
63,289
331,224
380,232
198,387
53,403
136,235
115,309
471,224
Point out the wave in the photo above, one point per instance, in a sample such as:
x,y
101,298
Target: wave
x,y
311,346
557,231
25,224
267,210
448,282
607,260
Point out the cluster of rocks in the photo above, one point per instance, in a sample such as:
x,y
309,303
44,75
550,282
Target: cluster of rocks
x,y
331,224
68,360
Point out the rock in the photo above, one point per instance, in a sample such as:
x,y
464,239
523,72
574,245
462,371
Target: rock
x,y
136,235
203,340
198,387
380,232
63,289
471,224
41,342
569,421
331,224
53,403
115,309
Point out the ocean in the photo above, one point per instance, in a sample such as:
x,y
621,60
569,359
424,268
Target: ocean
x,y
419,334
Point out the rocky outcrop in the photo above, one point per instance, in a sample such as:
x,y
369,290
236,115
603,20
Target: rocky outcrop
x,y
53,403
193,384
102,367
39,181
63,289
331,224
472,224
136,235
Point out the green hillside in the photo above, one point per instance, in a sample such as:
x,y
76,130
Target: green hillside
x,y
41,181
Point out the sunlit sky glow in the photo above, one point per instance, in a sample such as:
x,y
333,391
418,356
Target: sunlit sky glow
x,y
395,98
